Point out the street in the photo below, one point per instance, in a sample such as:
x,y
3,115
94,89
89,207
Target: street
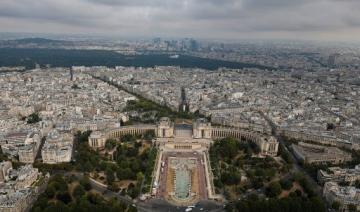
x,y
296,165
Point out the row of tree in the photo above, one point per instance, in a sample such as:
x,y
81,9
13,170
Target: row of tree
x,y
293,203
58,196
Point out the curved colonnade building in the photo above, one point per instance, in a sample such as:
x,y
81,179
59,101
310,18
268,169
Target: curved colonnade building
x,y
201,131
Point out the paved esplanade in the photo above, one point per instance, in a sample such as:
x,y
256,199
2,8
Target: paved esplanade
x,y
182,176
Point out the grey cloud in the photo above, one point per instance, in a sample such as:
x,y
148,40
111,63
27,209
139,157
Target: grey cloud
x,y
275,3
198,18
160,3
57,11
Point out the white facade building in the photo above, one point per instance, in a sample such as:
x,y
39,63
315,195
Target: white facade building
x,y
58,148
344,195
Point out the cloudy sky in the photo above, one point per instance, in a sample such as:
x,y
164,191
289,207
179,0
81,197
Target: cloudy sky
x,y
229,19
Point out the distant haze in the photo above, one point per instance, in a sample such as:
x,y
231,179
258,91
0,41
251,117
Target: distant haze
x,y
215,19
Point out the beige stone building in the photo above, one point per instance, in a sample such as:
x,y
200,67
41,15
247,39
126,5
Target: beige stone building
x,y
315,154
58,148
26,176
339,175
5,167
165,128
344,195
97,140
52,153
27,154
202,129
20,190
17,200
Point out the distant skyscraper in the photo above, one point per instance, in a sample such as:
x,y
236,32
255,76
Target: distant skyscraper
x,y
157,40
332,60
194,46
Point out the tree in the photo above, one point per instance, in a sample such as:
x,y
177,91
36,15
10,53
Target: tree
x,y
58,206
285,184
299,177
352,207
37,209
94,198
109,176
88,167
50,191
335,205
228,147
85,182
255,147
149,135
230,178
330,126
64,197
139,177
285,155
317,204
128,138
135,165
132,209
33,118
274,189
82,137
59,183
287,204
3,157
123,174
42,202
257,182
79,191
110,144
75,86
357,184
133,191
132,152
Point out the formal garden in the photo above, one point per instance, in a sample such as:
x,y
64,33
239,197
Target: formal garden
x,y
67,193
252,183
